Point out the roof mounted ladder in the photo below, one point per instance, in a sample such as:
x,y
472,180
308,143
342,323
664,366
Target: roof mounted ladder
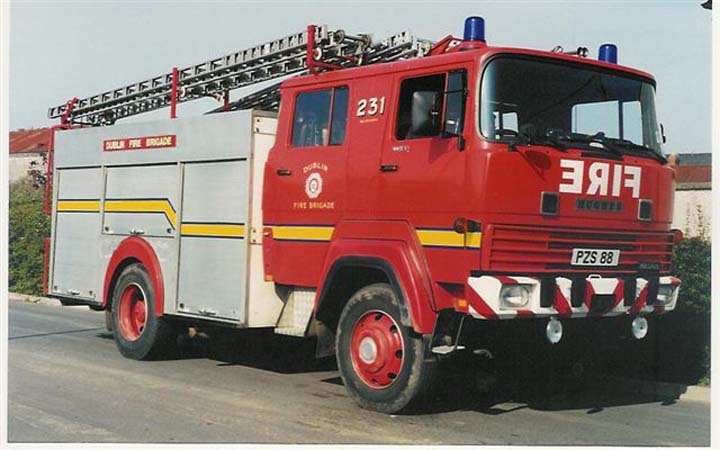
x,y
315,50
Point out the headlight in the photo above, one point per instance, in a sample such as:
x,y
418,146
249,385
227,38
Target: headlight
x,y
665,294
514,296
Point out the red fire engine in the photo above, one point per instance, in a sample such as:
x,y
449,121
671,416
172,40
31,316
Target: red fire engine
x,y
420,190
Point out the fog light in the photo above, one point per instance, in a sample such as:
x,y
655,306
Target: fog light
x,y
514,296
639,327
554,330
665,294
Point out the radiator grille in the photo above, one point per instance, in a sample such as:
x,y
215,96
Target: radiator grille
x,y
514,248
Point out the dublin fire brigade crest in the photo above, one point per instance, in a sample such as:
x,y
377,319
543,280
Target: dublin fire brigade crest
x,y
313,185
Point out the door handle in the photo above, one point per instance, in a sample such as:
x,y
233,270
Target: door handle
x,y
136,231
283,172
388,168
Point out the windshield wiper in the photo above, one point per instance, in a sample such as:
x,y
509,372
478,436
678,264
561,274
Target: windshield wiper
x,y
563,141
630,145
528,136
614,145
601,143
596,142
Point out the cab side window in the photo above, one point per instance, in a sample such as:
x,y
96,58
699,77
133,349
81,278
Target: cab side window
x,y
320,118
455,109
339,116
421,96
311,118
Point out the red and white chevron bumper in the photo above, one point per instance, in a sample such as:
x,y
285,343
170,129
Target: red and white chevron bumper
x,y
508,297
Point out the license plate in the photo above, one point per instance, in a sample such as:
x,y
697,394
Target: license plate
x,y
595,257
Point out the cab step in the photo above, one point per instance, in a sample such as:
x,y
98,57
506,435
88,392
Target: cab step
x,y
447,349
296,313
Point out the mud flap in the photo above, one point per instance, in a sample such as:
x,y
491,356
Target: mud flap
x,y
108,320
325,341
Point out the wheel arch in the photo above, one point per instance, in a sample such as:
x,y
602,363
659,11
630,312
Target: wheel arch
x,y
390,249
114,275
132,250
346,276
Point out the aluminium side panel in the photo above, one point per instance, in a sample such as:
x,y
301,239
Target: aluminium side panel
x,y
142,200
264,305
141,189
213,242
76,243
209,137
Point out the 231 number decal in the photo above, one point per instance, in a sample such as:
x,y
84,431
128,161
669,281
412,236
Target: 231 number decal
x,y
370,106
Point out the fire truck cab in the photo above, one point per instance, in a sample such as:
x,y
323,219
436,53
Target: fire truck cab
x,y
385,206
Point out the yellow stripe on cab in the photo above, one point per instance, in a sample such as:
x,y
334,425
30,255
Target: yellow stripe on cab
x,y
302,233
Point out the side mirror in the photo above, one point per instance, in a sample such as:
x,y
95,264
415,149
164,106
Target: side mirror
x,y
423,114
662,134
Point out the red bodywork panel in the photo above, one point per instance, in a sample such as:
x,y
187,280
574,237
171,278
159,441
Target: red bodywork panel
x,y
395,243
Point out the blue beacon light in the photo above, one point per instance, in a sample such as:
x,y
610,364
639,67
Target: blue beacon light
x,y
608,53
474,29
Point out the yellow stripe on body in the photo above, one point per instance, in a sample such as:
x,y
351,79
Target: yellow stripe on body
x,y
441,238
438,238
213,230
302,233
78,206
473,240
449,238
142,206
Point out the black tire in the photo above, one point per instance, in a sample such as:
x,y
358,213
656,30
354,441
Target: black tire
x,y
156,337
395,393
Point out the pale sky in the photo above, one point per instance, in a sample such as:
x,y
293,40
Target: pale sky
x,y
61,49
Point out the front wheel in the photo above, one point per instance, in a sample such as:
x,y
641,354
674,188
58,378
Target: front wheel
x,y
139,333
381,362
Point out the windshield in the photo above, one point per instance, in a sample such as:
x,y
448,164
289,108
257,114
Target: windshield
x,y
546,98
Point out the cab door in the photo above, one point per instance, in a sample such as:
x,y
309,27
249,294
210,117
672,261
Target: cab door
x,y
306,173
423,162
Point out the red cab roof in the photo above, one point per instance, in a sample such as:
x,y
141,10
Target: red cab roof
x,y
449,58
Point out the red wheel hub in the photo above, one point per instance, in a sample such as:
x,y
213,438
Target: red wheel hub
x,y
133,312
376,349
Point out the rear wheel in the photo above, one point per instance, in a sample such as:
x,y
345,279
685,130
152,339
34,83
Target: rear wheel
x,y
139,333
381,362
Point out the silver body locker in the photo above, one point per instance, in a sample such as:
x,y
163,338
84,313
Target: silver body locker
x,y
141,200
75,272
213,242
195,202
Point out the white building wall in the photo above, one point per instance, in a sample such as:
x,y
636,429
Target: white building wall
x,y
19,163
693,212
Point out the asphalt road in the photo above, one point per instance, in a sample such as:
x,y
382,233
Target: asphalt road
x,y
68,383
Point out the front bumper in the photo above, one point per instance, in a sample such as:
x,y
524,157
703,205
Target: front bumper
x,y
556,297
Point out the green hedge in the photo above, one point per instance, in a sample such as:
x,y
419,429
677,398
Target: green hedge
x,y
28,228
684,334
